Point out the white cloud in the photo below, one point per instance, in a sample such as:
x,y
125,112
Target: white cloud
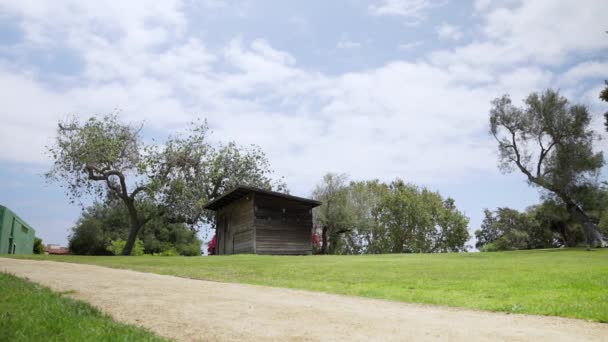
x,y
585,70
347,44
415,10
410,45
541,32
425,120
449,32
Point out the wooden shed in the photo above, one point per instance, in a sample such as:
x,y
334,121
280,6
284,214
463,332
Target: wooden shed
x,y
252,220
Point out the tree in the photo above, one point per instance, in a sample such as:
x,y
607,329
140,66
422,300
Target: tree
x,y
416,220
333,216
509,229
452,228
38,246
604,97
553,217
364,198
550,142
374,217
102,157
101,223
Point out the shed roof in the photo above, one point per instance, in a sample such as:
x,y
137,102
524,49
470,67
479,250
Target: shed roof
x,y
243,190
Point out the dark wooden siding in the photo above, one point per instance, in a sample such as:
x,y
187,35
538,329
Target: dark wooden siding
x,y
238,234
282,226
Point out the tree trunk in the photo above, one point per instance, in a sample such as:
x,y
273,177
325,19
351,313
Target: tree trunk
x,y
136,225
592,235
324,239
333,242
131,239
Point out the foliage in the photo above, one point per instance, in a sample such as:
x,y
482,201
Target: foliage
x,y
102,157
553,216
415,220
374,217
168,252
508,229
189,249
333,216
364,198
38,246
103,222
488,247
604,97
561,282
116,247
30,312
550,142
96,227
189,172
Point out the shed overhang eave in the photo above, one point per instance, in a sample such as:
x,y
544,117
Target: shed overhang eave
x,y
241,191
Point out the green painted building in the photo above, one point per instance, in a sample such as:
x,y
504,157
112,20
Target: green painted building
x,y
16,236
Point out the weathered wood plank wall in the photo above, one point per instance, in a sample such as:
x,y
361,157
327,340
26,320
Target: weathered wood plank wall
x,y
282,226
238,237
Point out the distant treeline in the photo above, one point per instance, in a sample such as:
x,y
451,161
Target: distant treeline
x,y
374,217
546,225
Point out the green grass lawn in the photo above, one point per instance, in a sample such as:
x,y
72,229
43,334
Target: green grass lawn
x,y
29,312
565,282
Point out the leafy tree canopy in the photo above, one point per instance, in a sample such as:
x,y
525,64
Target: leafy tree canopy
x,y
103,157
550,142
102,223
375,217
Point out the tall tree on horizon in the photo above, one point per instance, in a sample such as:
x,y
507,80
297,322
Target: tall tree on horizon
x,y
550,142
334,215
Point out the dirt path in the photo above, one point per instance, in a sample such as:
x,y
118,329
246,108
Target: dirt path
x,y
191,310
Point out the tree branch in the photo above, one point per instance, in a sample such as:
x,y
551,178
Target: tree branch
x,y
138,190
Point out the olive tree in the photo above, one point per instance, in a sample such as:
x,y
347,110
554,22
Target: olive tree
x,y
334,216
375,217
103,157
410,219
550,142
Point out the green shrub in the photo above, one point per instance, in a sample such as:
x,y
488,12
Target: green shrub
x,y
38,246
169,252
488,247
190,249
116,247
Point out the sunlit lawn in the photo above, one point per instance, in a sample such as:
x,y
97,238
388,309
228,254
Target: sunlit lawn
x,y
561,282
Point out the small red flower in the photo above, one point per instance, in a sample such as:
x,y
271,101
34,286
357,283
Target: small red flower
x,y
316,241
211,246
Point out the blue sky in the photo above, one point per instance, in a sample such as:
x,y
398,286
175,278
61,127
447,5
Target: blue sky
x,y
375,89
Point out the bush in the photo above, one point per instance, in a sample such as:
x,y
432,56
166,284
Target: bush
x,y
88,238
168,252
38,246
104,222
116,247
488,247
190,249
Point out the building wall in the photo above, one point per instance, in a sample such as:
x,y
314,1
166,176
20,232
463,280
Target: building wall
x,y
234,224
22,234
282,226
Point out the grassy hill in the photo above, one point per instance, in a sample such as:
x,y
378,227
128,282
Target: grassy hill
x,y
561,282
